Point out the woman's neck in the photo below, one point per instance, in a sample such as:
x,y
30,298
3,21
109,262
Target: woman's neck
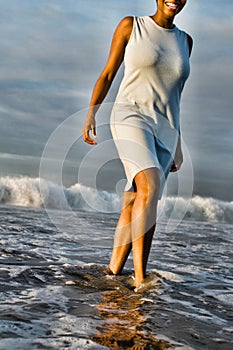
x,y
162,21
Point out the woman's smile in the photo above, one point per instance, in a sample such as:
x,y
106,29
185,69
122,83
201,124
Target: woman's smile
x,y
173,6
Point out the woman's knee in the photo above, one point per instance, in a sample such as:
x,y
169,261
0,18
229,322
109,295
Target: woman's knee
x,y
128,199
148,183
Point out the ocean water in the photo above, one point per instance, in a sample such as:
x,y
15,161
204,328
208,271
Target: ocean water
x,y
55,293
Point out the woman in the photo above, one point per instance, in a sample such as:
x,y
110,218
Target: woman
x,y
156,56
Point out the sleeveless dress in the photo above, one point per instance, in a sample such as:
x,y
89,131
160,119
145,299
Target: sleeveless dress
x,y
145,117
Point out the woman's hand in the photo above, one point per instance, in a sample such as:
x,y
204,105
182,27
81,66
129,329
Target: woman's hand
x,y
178,158
89,125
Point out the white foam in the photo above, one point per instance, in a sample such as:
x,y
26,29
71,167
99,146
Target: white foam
x,y
70,283
73,343
199,208
226,298
170,276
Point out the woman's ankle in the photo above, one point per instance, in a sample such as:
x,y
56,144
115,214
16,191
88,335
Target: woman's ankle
x,y
138,282
109,271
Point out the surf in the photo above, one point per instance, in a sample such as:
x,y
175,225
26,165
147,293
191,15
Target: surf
x,y
41,193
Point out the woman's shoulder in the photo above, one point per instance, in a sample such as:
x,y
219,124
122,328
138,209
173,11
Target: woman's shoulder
x,y
187,37
190,43
126,22
124,28
190,39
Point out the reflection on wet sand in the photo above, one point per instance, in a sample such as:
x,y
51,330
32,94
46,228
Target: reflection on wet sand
x,y
124,325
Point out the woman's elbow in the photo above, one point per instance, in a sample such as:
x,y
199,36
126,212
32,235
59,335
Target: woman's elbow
x,y
107,77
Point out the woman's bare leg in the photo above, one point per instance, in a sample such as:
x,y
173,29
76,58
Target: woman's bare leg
x,y
136,224
122,239
143,219
148,242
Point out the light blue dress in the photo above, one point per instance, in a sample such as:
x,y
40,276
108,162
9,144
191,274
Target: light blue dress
x,y
145,119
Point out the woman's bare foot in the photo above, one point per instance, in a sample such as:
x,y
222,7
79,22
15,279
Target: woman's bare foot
x,y
138,283
148,282
108,271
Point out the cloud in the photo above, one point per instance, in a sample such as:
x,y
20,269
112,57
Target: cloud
x,y
52,53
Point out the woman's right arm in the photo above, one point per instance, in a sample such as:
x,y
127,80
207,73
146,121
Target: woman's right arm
x,y
102,86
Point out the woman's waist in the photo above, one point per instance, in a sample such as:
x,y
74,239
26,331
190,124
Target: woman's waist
x,y
128,109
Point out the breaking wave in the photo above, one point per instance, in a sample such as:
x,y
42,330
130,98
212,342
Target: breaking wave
x,y
39,193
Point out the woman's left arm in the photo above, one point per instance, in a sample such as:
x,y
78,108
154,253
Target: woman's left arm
x,y
178,158
190,43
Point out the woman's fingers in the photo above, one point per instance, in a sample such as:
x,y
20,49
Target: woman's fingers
x,y
173,167
87,138
93,131
89,126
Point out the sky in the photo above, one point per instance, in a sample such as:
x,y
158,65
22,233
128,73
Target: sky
x,y
51,55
